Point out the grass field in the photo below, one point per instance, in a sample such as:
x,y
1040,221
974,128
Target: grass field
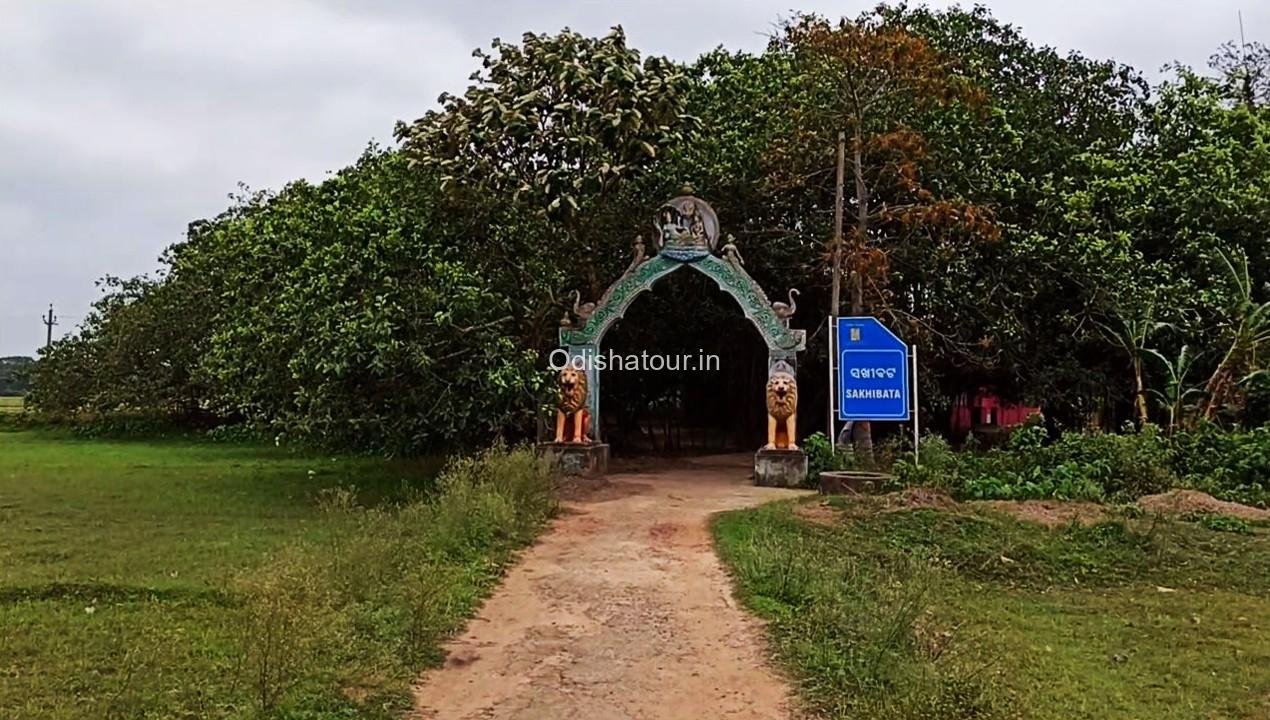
x,y
927,613
187,579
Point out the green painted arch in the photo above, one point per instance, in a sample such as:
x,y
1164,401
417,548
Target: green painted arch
x,y
781,340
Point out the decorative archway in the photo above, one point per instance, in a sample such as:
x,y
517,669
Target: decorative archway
x,y
687,235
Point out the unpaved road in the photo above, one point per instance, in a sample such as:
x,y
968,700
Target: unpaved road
x,y
621,610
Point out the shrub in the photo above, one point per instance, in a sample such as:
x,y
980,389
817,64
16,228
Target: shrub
x,y
1126,466
938,464
366,607
1221,523
1229,465
285,614
1027,438
239,433
821,457
1078,466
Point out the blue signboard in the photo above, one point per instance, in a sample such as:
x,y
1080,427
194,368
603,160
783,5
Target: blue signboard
x,y
872,371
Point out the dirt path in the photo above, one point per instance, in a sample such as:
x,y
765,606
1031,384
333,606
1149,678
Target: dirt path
x,y
622,610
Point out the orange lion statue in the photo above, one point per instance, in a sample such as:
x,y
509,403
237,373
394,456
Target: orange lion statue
x,y
572,417
782,408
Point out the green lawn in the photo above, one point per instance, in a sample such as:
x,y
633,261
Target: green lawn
x,y
928,613
189,579
169,516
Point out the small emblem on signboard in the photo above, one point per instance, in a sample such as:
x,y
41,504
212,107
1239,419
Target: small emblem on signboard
x,y
855,334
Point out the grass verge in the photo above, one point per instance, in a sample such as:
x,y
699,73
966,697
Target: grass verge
x,y
926,613
179,579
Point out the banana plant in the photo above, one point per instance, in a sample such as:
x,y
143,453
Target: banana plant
x,y
1130,332
1249,332
1177,395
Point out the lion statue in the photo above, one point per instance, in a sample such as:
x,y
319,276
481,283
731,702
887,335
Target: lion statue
x,y
782,408
572,417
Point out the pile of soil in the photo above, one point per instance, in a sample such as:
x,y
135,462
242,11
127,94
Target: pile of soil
x,y
918,498
1050,513
915,498
820,513
1185,502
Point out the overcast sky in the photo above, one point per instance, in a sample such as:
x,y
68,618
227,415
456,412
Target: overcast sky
x,y
122,121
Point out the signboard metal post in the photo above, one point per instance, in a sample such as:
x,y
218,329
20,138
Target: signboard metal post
x,y
833,431
916,430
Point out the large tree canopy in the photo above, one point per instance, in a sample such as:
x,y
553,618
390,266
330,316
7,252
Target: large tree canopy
x,y
1043,224
554,125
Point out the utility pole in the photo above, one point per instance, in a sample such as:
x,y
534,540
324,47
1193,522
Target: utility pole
x,y
835,293
1248,92
49,322
835,296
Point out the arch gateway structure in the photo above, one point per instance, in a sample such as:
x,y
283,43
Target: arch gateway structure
x,y
687,236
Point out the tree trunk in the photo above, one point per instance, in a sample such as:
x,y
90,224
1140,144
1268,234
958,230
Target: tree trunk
x,y
1140,394
862,431
1218,385
1216,391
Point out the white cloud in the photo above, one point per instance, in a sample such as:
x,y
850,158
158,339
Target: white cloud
x,y
122,120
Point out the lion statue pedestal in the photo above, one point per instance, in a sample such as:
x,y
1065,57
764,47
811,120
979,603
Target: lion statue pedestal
x,y
573,452
588,460
780,468
780,463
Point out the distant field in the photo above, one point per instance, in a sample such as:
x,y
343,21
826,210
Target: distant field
x,y
127,585
11,404
937,613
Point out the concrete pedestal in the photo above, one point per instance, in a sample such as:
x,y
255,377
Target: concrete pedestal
x,y
780,468
589,460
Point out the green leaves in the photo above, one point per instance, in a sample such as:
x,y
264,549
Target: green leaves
x,y
556,122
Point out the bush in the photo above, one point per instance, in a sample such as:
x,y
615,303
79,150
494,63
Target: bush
x,y
240,433
1126,466
359,614
1079,466
938,467
1229,465
821,457
1221,523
